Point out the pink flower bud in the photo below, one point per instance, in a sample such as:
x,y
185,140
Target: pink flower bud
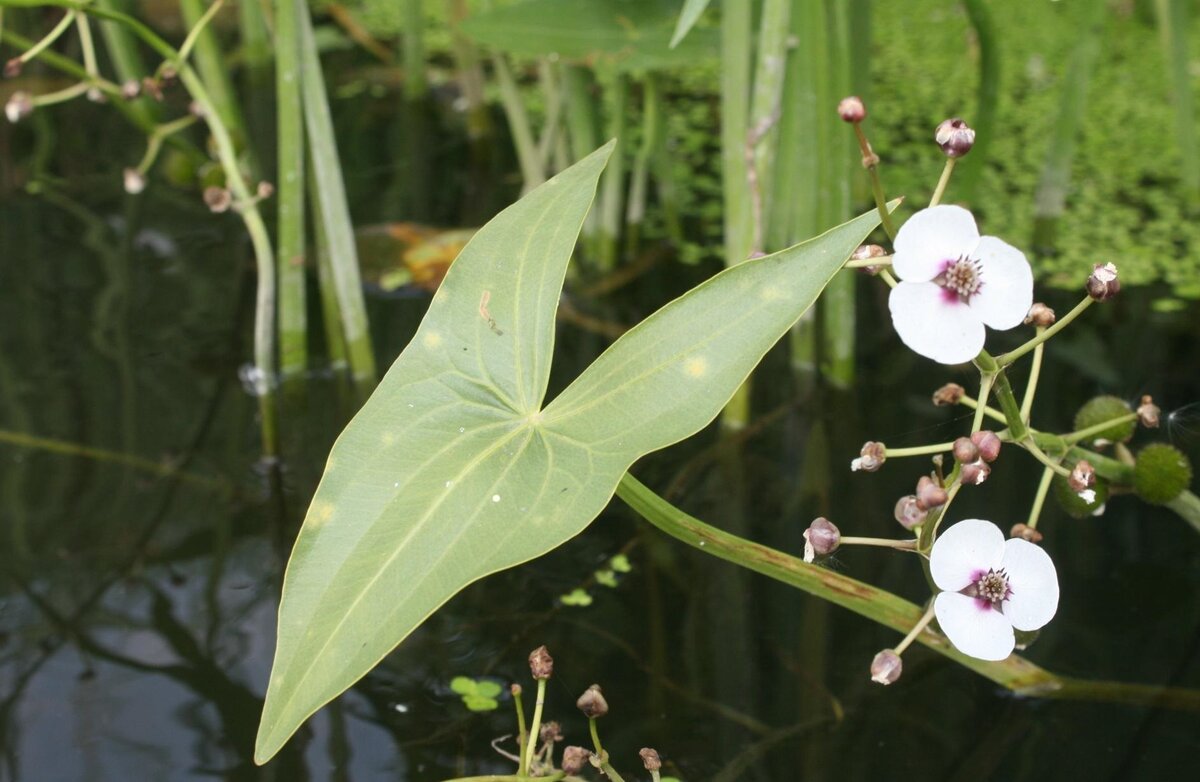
x,y
852,110
1148,412
1103,284
929,494
886,667
1025,532
975,473
871,457
909,512
821,538
965,451
948,395
988,444
955,137
1040,315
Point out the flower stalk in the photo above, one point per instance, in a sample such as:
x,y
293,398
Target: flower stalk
x,y
1039,498
943,180
1011,356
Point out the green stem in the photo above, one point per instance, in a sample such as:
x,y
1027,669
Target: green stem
x,y
921,624
919,450
155,141
60,96
883,260
194,34
990,412
909,544
595,736
872,166
944,180
986,380
518,125
1042,336
736,49
415,84
1035,371
1015,673
534,726
1082,434
293,319
522,736
87,46
612,181
1187,506
610,772
50,37
1040,498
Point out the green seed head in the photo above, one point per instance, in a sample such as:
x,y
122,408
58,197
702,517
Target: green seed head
x,y
1075,506
1101,409
1161,473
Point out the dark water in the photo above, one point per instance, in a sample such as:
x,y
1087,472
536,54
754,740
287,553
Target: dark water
x,y
137,612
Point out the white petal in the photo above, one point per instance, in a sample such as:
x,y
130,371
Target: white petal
x,y
930,238
974,627
964,552
1034,584
1007,291
935,324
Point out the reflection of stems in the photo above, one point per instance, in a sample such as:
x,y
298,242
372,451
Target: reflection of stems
x,y
101,455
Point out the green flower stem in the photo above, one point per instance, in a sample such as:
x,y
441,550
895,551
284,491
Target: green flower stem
x,y
157,136
194,34
990,412
610,772
868,155
50,37
909,544
87,46
944,180
1029,445
595,736
921,624
929,529
60,96
522,736
1015,673
866,263
918,450
1042,336
986,380
1083,434
1031,386
1004,395
887,277
1187,506
534,726
1040,498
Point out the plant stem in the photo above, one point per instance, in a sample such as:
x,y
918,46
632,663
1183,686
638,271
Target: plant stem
x,y
293,316
871,163
921,624
986,380
595,736
532,172
866,263
1083,434
909,544
944,180
48,38
415,84
990,412
535,724
1035,371
193,34
919,450
1060,324
157,136
522,736
1040,498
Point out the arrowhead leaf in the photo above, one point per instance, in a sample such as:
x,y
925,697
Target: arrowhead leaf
x,y
453,470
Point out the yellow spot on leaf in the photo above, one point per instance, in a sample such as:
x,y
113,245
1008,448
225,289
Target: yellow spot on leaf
x,y
388,439
771,293
319,513
696,366
432,340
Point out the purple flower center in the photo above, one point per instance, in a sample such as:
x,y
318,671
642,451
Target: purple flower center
x,y
991,589
960,279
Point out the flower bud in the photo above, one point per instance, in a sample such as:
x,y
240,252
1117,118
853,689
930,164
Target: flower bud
x,y
1040,315
929,494
988,444
821,538
96,95
650,759
515,689
592,703
871,457
975,473
1148,412
1076,505
955,137
550,731
12,68
19,106
965,451
541,664
168,73
909,512
886,667
265,190
1103,284
865,252
218,199
196,109
852,110
948,395
1082,479
573,759
131,89
1025,532
153,88
135,181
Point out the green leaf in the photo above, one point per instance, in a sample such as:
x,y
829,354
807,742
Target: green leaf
x,y
692,9
620,563
480,703
576,597
627,34
453,469
463,685
487,688
606,578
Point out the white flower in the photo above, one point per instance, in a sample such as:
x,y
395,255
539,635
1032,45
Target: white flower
x,y
953,283
992,585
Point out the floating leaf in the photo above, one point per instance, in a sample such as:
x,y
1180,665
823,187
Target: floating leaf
x,y
606,578
620,563
463,685
480,702
627,34
453,469
576,597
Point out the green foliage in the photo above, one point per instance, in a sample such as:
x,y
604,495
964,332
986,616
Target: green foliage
x,y
454,470
688,16
576,597
477,694
630,35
